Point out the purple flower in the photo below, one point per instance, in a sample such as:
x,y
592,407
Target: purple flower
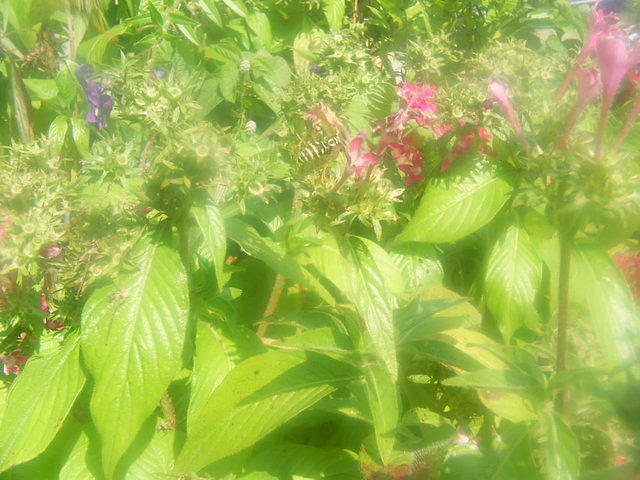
x,y
100,104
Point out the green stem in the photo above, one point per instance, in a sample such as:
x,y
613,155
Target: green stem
x,y
563,316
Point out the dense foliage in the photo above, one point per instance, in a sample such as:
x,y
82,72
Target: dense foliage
x,y
309,239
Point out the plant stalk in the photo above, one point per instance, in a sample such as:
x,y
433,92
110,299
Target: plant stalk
x,y
563,316
272,304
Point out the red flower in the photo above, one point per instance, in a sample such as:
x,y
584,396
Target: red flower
x,y
360,161
12,362
408,160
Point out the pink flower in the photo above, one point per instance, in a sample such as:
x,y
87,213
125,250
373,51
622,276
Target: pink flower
x,y
12,362
359,161
419,96
498,93
616,57
599,24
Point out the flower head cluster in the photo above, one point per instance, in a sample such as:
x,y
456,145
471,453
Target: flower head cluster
x,y
100,103
617,56
419,97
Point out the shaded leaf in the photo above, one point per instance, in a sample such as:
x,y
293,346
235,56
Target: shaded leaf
x,y
38,403
132,338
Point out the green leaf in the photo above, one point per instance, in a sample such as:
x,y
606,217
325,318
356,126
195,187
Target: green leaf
x,y
274,256
507,380
132,338
228,76
38,403
76,466
257,396
597,283
211,11
563,450
93,49
383,100
238,7
385,409
214,358
214,246
41,88
291,460
352,268
513,276
58,130
419,265
452,208
334,11
80,134
259,23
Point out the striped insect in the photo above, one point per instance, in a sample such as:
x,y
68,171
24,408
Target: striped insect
x,y
316,150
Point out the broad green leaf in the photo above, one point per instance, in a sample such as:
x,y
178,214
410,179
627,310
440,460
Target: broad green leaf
x,y
80,134
133,333
334,11
385,409
211,11
352,268
93,50
419,265
214,246
468,351
58,130
324,340
38,403
455,206
259,23
507,380
291,460
516,459
512,278
597,283
563,451
151,458
76,467
391,274
257,396
228,76
215,356
274,256
41,88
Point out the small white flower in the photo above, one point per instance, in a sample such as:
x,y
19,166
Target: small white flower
x,y
250,127
245,66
